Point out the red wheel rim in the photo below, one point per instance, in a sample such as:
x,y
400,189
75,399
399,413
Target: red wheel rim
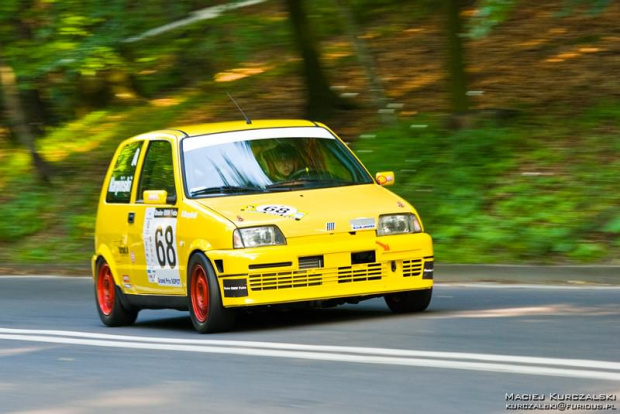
x,y
200,293
105,290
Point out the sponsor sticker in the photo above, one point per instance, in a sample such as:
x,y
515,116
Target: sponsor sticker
x,y
120,185
189,215
363,224
127,282
276,210
235,288
160,246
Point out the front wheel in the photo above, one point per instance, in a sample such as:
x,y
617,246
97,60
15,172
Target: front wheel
x,y
206,311
411,301
108,297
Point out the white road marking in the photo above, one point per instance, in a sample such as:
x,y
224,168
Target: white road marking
x,y
607,370
548,310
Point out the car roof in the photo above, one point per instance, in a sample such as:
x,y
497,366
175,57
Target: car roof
x,y
213,128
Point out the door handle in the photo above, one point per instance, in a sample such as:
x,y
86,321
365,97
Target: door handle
x,y
131,217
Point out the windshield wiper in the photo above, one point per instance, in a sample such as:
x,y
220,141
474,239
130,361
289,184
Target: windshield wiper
x,y
227,189
287,183
304,182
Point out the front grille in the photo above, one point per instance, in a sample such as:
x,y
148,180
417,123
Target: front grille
x,y
412,267
359,273
316,277
285,280
321,276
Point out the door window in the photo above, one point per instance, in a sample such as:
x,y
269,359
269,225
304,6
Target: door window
x,y
157,171
119,189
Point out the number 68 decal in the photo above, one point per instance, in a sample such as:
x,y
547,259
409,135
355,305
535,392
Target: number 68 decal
x,y
277,210
164,247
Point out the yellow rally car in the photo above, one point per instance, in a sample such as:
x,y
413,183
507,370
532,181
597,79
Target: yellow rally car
x,y
217,217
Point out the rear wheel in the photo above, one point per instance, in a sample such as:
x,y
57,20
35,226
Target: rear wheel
x,y
206,311
108,297
411,301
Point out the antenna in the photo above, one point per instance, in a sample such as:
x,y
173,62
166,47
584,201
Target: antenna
x,y
247,118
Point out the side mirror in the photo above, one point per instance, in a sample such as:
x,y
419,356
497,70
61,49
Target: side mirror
x,y
155,197
385,178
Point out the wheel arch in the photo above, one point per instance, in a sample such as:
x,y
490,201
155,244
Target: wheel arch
x,y
104,253
198,246
194,252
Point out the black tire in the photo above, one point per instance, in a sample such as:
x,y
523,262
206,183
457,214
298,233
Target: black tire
x,y
108,299
411,301
206,311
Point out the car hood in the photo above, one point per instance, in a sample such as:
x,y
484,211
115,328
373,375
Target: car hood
x,y
311,211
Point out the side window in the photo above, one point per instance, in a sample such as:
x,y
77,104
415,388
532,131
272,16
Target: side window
x,y
157,171
119,189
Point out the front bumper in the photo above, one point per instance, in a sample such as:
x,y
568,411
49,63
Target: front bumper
x,y
324,267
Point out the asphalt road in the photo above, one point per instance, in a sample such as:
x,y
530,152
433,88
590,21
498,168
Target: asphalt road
x,y
477,349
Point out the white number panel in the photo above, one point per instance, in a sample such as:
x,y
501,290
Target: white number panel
x,y
160,247
277,210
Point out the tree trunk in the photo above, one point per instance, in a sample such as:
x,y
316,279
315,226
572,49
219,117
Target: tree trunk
x,y
366,61
457,75
321,100
17,119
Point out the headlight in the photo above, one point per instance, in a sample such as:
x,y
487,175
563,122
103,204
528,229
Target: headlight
x,y
257,237
398,224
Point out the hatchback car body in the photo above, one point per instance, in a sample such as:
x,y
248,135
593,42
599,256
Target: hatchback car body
x,y
217,217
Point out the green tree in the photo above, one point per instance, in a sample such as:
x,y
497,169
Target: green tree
x,y
21,103
456,62
321,100
50,49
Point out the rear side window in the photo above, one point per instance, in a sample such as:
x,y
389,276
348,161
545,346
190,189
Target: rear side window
x,y
119,188
157,171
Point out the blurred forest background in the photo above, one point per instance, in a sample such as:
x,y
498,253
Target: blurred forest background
x,y
501,118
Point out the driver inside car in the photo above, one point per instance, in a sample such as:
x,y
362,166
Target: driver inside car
x,y
284,162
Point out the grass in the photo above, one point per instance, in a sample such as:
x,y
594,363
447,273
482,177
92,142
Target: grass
x,y
534,191
510,193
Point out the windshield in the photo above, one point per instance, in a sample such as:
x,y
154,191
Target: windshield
x,y
268,160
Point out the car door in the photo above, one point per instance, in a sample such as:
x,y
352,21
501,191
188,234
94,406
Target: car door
x,y
152,235
112,225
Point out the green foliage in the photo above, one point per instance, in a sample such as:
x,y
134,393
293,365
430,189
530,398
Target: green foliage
x,y
22,215
487,195
613,226
507,194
